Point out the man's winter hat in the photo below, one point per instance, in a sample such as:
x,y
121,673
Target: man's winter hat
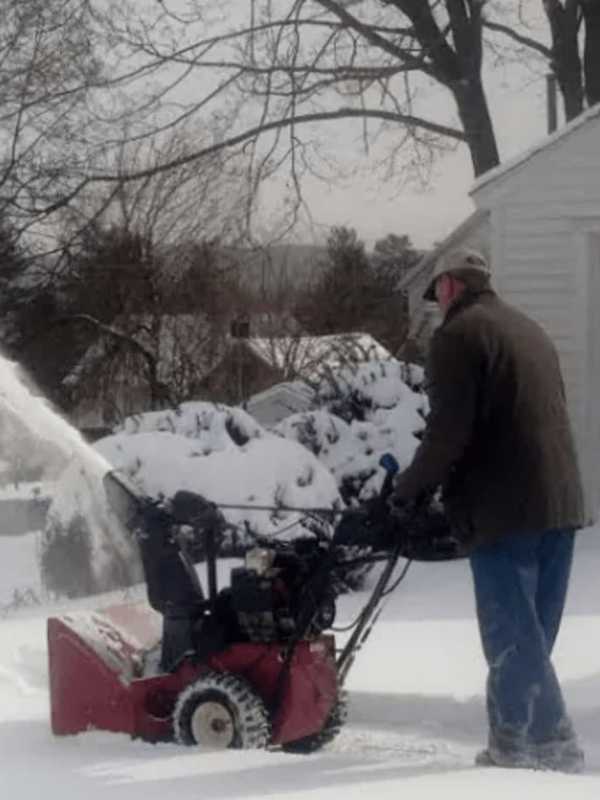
x,y
464,264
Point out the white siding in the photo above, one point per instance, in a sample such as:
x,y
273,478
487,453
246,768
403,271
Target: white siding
x,y
590,387
544,214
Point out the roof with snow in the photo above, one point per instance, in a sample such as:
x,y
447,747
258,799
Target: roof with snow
x,y
279,401
456,236
170,338
426,264
294,389
307,355
548,141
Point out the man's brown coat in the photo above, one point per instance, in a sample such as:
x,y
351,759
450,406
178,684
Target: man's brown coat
x,y
498,438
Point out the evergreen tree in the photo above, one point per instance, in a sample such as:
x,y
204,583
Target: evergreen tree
x,y
341,298
356,292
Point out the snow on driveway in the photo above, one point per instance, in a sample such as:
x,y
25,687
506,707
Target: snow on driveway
x,y
417,713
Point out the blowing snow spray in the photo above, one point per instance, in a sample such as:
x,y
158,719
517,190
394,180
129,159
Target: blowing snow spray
x,y
29,425
33,412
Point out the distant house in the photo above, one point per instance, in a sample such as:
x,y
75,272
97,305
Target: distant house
x,y
251,365
141,363
161,361
538,218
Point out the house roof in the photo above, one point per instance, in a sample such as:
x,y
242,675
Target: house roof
x,y
427,263
178,336
295,389
307,355
548,141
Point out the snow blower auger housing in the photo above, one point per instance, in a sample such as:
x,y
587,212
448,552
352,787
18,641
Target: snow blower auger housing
x,y
250,665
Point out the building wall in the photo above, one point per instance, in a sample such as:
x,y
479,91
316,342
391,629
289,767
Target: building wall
x,y
98,413
545,221
239,375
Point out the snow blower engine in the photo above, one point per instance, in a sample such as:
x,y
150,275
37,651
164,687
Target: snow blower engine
x,y
249,665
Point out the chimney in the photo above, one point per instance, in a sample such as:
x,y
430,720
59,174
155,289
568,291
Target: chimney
x,y
240,328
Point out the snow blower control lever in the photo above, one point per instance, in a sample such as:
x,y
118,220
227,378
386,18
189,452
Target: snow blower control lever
x,y
391,467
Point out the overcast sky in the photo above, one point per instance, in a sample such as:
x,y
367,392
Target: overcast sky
x,y
517,101
375,208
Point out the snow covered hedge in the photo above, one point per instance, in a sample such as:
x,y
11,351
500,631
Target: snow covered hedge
x,y
355,391
367,410
317,459
219,452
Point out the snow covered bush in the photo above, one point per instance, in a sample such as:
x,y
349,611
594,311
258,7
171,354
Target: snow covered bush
x,y
355,391
216,451
368,410
317,459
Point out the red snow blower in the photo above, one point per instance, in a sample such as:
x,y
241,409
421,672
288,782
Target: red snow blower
x,y
249,666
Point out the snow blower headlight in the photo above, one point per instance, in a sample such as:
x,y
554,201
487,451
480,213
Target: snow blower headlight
x,y
259,560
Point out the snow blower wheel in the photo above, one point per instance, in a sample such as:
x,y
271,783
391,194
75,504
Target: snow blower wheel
x,y
221,711
333,724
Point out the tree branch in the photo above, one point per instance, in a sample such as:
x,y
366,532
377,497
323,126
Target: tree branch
x,y
157,388
371,35
251,133
526,41
444,63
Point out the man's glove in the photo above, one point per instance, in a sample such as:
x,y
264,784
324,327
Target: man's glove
x,y
366,526
380,524
376,511
398,508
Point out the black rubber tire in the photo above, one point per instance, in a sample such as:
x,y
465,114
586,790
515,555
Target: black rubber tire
x,y
333,724
246,711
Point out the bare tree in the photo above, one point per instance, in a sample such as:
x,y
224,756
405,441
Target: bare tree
x,y
270,81
573,52
575,59
163,335
591,55
141,289
49,66
68,108
313,61
261,79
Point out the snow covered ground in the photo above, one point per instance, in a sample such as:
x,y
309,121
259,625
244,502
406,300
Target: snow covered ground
x,y
416,720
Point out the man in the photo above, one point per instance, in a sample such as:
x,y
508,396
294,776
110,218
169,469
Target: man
x,y
498,441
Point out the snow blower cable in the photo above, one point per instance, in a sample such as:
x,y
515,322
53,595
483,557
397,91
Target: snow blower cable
x,y
306,511
398,580
346,628
384,594
279,532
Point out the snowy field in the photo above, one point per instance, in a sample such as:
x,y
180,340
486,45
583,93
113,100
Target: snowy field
x,y
416,718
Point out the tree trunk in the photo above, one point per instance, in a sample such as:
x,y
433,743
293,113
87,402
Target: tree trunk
x,y
477,124
591,15
566,60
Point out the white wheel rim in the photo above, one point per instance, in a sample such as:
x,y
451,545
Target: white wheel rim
x,y
212,725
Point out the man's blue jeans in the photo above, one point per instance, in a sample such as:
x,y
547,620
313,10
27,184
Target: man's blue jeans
x,y
520,589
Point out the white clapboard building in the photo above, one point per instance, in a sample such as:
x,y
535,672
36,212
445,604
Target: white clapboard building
x,y
537,218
